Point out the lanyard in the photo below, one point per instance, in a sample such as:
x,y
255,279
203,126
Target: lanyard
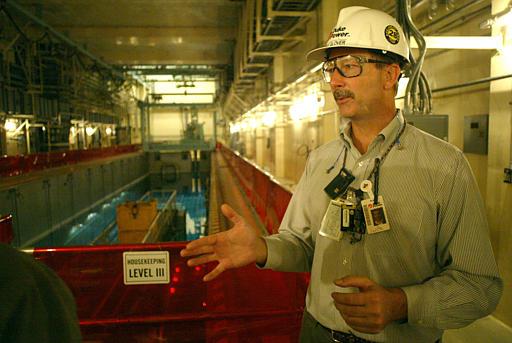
x,y
378,162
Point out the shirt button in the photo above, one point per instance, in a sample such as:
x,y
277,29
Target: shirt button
x,y
361,164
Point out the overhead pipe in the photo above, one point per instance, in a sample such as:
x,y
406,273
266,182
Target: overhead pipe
x,y
466,84
63,38
250,34
270,14
455,11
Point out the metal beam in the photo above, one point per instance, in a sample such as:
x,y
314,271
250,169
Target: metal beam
x,y
168,34
62,37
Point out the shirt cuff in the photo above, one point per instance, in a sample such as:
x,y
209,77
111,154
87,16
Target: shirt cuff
x,y
274,259
421,305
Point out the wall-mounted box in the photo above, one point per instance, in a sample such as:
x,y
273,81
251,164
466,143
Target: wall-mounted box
x,y
435,124
476,134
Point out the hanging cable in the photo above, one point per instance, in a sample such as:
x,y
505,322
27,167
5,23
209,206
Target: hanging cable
x,y
418,96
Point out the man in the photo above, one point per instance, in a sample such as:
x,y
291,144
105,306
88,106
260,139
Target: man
x,y
35,304
429,265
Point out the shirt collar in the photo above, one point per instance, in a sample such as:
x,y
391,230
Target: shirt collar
x,y
386,134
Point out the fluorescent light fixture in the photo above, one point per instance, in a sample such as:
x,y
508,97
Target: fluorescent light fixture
x,y
296,111
461,42
269,118
402,86
316,68
89,130
234,128
10,125
253,122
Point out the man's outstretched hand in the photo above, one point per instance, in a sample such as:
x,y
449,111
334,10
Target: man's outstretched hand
x,y
237,247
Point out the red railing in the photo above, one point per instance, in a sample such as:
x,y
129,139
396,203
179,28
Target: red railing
x,y
6,232
242,305
22,164
269,199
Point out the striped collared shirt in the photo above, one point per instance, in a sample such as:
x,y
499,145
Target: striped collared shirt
x,y
437,250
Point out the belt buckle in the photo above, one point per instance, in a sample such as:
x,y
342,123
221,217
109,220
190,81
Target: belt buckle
x,y
348,338
334,339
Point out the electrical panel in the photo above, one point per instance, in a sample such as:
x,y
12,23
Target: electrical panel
x,y
476,134
435,124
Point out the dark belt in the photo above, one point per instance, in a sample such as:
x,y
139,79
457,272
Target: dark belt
x,y
345,337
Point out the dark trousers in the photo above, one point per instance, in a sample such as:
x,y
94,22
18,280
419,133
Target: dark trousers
x,y
314,332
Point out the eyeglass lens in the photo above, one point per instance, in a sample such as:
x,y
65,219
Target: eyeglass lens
x,y
347,66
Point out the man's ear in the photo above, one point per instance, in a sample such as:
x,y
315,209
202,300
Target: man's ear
x,y
392,74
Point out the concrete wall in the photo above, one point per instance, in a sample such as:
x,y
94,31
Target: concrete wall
x,y
499,194
49,201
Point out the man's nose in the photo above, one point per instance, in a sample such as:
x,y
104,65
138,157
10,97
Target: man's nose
x,y
337,79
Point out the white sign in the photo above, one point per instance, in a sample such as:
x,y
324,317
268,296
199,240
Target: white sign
x,y
146,267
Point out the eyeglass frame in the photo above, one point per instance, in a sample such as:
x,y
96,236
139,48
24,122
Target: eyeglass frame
x,y
327,75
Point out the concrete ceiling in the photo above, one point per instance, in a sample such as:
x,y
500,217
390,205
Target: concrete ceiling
x,y
132,32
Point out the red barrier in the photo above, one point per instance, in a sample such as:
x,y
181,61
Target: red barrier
x,y
22,164
6,232
242,305
268,197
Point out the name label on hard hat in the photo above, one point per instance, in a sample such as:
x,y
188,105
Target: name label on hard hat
x,y
339,32
146,267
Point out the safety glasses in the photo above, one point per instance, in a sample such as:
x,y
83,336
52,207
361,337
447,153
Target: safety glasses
x,y
347,66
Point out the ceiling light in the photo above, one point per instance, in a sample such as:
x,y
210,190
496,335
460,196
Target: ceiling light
x,y
10,125
269,118
461,42
89,130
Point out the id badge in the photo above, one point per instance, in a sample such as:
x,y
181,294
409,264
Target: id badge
x,y
348,211
375,216
331,222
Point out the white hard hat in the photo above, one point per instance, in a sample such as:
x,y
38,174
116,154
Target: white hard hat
x,y
366,28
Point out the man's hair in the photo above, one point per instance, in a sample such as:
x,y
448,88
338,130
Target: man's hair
x,y
390,58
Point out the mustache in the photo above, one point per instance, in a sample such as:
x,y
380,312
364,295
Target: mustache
x,y
343,93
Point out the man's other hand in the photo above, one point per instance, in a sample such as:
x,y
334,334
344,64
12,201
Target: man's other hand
x,y
373,307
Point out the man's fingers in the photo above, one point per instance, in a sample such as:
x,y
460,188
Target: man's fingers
x,y
214,273
206,249
352,299
200,246
230,213
201,260
360,282
352,311
208,240
362,324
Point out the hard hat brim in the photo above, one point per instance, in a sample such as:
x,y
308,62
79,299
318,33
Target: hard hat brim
x,y
318,54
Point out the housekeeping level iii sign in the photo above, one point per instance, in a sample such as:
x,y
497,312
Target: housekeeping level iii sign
x,y
146,267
